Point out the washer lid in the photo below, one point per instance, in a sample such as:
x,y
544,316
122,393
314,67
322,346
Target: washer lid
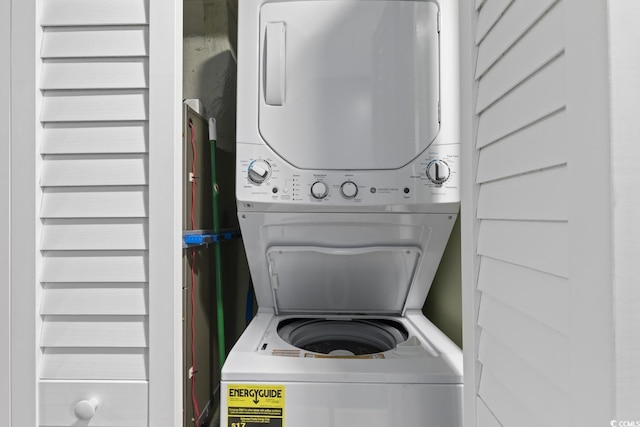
x,y
312,279
349,84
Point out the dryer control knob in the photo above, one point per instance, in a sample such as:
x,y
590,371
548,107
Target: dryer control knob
x,y
319,190
349,189
438,171
259,171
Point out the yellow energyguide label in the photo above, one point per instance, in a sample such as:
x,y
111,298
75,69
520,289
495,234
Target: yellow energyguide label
x,y
255,405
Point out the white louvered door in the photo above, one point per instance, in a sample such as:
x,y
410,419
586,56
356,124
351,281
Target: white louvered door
x,y
97,212
539,123
523,234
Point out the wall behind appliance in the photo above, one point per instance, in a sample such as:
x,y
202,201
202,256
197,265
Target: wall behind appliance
x,y
209,61
444,302
210,76
198,322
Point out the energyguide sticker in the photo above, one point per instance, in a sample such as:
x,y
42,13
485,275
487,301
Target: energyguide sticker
x,y
255,405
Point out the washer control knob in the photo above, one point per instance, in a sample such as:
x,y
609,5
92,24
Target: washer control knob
x,y
86,409
349,189
438,171
259,171
319,190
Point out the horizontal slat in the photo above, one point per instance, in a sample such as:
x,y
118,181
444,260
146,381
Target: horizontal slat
x,y
94,364
103,105
540,145
94,170
484,416
94,298
534,196
121,404
94,202
542,246
536,48
527,385
542,296
489,15
503,404
95,12
514,23
94,266
534,99
112,73
542,347
94,331
94,42
87,137
95,234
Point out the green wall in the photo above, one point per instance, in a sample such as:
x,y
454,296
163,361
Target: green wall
x,y
444,303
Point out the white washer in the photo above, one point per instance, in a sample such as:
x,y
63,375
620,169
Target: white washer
x,y
420,389
347,189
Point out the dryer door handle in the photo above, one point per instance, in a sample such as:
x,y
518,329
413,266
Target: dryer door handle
x,y
274,63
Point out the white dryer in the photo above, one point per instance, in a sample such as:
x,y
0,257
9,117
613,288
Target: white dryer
x,y
347,187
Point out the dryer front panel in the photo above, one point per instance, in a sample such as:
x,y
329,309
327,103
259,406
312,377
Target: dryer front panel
x,y
349,84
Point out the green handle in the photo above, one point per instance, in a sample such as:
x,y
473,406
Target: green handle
x,y
216,247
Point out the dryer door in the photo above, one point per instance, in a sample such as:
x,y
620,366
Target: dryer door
x,y
349,84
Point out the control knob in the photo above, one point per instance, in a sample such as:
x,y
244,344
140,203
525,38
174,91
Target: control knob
x,y
259,171
349,189
438,171
319,190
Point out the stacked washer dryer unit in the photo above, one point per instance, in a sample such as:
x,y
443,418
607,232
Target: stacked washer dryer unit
x,y
347,189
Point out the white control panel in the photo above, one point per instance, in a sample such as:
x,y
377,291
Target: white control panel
x,y
263,177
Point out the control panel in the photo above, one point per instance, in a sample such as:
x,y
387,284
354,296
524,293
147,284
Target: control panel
x,y
263,177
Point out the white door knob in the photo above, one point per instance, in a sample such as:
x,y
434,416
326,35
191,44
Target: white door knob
x,y
86,409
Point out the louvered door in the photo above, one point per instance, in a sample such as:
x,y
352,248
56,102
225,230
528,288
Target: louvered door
x,y
96,208
532,216
523,233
